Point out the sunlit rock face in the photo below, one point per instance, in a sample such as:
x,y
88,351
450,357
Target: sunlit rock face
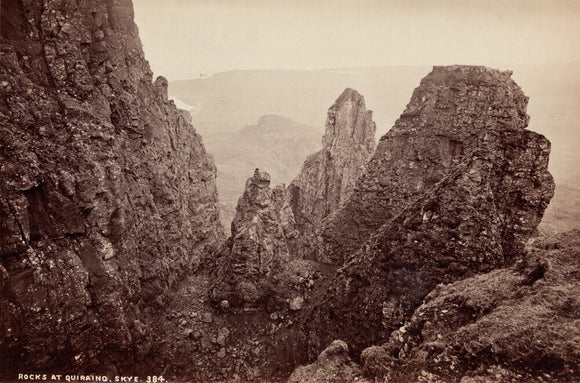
x,y
107,195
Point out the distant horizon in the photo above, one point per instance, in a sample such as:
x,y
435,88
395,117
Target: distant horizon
x,y
185,38
493,66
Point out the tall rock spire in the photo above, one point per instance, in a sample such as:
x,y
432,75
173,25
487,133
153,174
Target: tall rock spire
x,y
455,109
250,263
327,178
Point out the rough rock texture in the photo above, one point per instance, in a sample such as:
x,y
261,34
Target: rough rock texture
x,y
253,258
514,324
333,365
107,195
327,177
486,196
517,324
449,114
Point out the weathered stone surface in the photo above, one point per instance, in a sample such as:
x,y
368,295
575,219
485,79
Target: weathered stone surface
x,y
333,365
449,114
514,324
327,177
107,195
255,255
475,214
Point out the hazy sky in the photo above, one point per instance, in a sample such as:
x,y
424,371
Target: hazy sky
x,y
184,38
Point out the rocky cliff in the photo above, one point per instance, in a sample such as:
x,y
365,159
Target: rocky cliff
x,y
463,186
448,115
107,195
327,178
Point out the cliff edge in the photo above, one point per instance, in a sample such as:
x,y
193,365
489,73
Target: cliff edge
x,y
107,195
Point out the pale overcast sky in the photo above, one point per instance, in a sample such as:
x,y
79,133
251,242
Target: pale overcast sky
x,y
185,38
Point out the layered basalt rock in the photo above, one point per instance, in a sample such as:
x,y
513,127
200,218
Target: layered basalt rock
x,y
449,114
107,194
327,178
483,198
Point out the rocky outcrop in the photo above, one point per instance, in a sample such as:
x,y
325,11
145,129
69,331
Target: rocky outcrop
x,y
274,229
449,114
478,196
274,141
250,264
107,195
327,177
514,324
332,365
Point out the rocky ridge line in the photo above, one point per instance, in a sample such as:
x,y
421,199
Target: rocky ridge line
x,y
473,201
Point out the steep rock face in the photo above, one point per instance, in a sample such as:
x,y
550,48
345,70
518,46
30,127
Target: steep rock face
x,y
449,113
475,218
257,253
327,177
107,195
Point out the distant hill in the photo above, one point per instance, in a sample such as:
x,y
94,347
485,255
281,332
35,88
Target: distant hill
x,y
276,144
226,102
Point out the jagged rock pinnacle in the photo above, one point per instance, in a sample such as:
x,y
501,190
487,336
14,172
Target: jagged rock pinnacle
x,y
454,110
455,188
327,178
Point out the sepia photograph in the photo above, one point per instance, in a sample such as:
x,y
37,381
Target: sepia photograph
x,y
328,191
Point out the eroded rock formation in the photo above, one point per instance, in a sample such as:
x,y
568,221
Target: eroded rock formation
x,y
275,229
327,177
107,195
251,263
513,324
449,114
470,184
